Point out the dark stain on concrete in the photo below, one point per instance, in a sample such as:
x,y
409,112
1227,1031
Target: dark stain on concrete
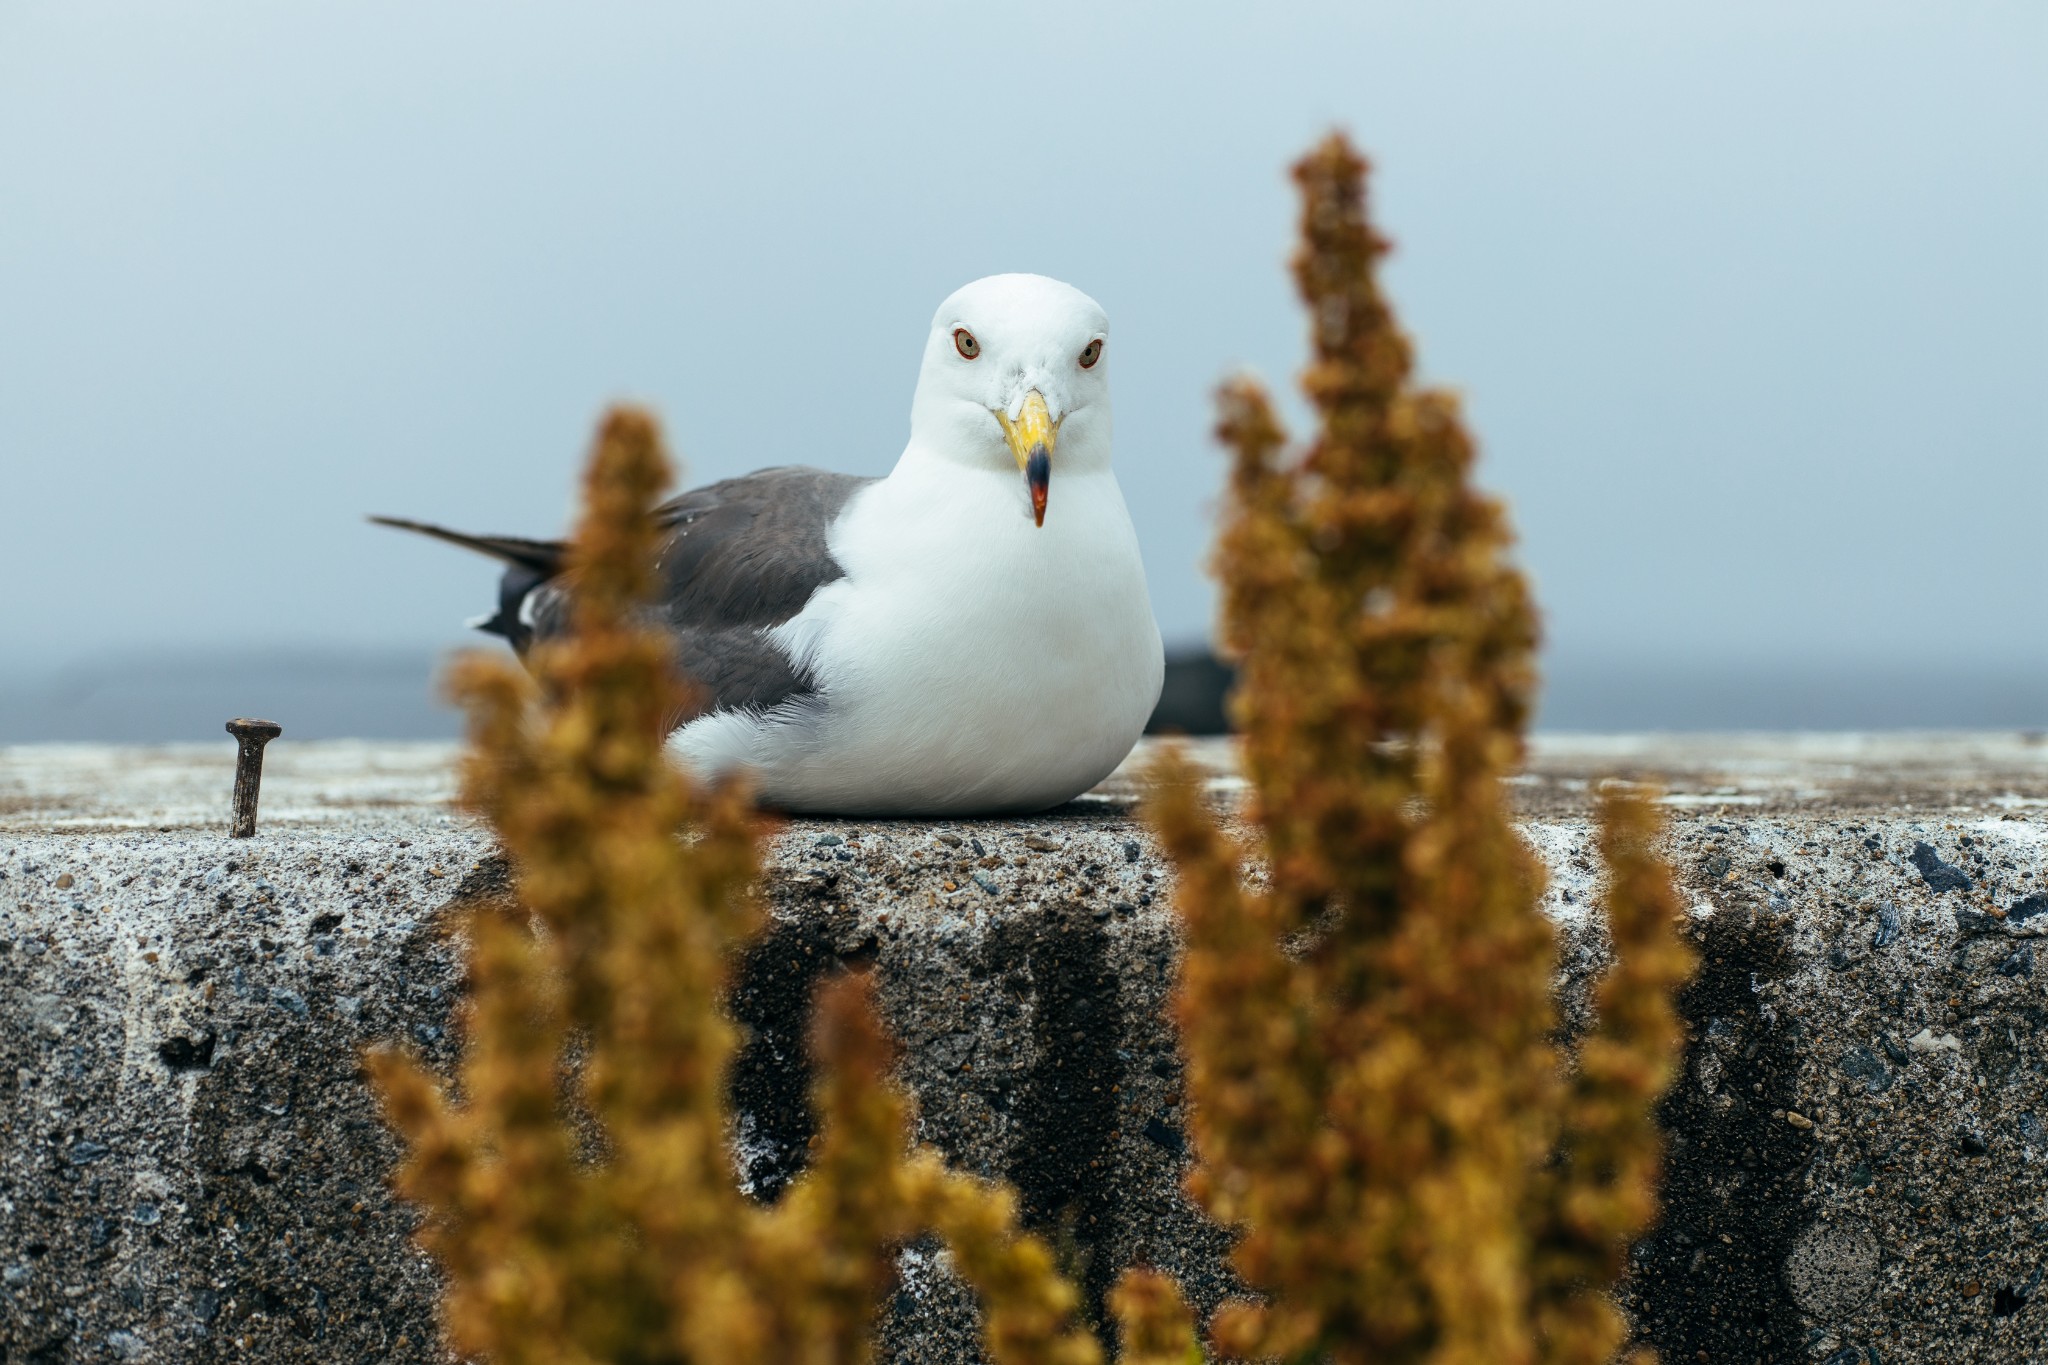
x,y
1709,1278
770,1083
1063,1164
490,881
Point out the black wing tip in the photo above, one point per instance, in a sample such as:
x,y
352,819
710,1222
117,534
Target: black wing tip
x,y
492,623
544,557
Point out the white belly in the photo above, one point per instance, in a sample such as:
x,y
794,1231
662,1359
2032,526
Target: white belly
x,y
969,662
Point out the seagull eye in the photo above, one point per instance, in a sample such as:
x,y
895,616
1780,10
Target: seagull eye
x,y
965,344
1091,353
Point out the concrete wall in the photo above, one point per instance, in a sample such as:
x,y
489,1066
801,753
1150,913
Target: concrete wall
x,y
191,1169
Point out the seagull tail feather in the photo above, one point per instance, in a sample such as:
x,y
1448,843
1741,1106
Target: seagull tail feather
x,y
544,557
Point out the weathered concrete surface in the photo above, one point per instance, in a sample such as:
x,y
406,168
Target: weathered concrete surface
x,y
190,1168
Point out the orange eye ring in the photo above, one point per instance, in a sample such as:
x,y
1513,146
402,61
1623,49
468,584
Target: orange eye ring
x,y
965,344
1091,353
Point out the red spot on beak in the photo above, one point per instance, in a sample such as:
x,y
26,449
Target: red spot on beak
x,y
1038,473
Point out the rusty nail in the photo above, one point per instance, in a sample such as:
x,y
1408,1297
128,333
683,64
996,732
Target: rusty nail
x,y
252,735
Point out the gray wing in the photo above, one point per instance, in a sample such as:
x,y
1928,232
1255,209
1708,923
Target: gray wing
x,y
741,557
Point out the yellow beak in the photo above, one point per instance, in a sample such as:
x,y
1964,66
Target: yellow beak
x,y
1032,437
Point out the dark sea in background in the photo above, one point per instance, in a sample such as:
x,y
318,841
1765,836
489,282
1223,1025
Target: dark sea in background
x,y
161,698
156,698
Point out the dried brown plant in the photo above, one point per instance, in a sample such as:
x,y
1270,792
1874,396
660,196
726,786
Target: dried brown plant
x,y
1157,1327
1379,1107
635,886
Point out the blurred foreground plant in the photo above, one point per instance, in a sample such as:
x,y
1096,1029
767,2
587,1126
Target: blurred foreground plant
x,y
646,1251
1379,1106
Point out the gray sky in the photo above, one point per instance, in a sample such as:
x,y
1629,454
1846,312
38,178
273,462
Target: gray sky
x,y
1749,300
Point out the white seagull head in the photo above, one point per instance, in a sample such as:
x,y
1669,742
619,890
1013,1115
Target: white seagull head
x,y
1016,377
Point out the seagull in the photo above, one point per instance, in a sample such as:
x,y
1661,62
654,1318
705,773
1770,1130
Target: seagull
x,y
969,635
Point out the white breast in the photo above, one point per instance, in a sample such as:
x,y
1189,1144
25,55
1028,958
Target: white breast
x,y
968,662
